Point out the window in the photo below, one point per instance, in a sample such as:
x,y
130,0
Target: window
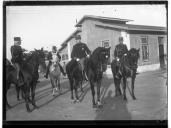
x,y
145,48
105,43
65,57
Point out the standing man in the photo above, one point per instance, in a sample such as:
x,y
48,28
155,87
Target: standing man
x,y
79,53
54,56
17,58
120,50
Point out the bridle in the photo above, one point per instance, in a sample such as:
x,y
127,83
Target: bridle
x,y
130,67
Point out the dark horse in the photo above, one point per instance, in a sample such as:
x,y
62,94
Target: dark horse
x,y
29,69
95,66
11,79
128,67
75,76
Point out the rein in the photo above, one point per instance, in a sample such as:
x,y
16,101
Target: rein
x,y
129,67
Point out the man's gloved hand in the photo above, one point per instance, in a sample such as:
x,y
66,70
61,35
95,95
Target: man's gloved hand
x,y
125,54
117,58
77,59
88,55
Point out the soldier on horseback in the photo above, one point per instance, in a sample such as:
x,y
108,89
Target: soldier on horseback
x,y
79,53
120,50
17,58
55,58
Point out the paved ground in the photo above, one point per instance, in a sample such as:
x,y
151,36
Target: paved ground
x,y
151,103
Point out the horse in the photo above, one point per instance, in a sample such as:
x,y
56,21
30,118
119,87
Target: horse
x,y
128,67
29,69
75,75
54,74
11,75
95,66
11,79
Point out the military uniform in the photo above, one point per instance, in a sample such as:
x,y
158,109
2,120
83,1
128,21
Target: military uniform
x,y
54,57
119,51
17,58
79,52
17,54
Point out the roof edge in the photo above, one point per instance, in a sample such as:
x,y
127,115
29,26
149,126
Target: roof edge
x,y
101,18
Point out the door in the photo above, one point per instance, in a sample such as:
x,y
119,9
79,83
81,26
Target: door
x,y
161,52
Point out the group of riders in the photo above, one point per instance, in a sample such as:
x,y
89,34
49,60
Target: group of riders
x,y
78,54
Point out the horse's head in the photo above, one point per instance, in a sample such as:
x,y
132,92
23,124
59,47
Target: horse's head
x,y
133,55
85,50
7,62
40,58
103,57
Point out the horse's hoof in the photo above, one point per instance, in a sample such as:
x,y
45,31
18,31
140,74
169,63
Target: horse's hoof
x,y
72,100
116,95
36,107
77,101
94,106
9,107
125,99
28,110
99,105
134,98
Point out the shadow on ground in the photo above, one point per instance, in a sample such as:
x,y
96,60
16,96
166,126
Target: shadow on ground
x,y
114,108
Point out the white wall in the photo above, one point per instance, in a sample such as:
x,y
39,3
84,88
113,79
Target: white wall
x,y
126,37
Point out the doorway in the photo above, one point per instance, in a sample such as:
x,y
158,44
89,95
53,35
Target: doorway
x,y
161,51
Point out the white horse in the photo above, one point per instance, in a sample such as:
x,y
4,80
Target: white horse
x,y
54,74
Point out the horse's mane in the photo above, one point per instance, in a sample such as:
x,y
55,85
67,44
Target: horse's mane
x,y
9,65
128,59
29,56
133,50
95,54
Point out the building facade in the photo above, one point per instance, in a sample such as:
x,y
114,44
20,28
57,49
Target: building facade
x,y
98,31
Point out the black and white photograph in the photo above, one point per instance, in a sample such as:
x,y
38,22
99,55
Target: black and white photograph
x,y
95,62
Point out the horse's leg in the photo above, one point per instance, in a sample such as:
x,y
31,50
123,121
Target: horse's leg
x,y
22,92
18,92
132,87
52,83
7,88
72,88
76,84
71,81
119,89
59,85
99,104
27,91
55,84
124,88
33,89
93,93
116,86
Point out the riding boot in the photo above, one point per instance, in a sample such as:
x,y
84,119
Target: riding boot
x,y
20,81
47,70
118,74
85,75
62,70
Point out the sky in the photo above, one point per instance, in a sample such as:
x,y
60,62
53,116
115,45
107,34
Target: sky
x,y
44,26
